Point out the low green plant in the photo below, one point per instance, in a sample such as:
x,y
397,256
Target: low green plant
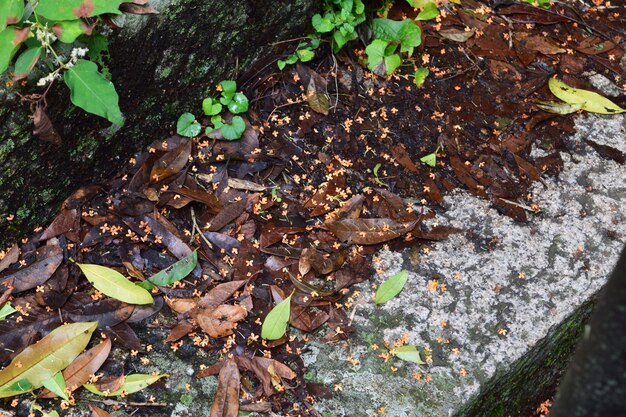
x,y
305,52
341,17
56,33
236,103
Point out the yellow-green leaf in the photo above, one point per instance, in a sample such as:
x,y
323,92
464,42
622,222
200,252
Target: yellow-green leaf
x,y
132,384
591,102
11,39
275,323
6,310
559,108
391,287
57,385
11,12
409,353
39,362
110,282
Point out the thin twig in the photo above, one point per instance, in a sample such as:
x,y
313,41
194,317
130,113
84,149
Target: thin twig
x,y
195,228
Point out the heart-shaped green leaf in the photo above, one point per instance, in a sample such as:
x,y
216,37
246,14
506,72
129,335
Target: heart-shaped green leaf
x,y
92,92
391,287
173,273
115,285
211,107
275,323
239,104
409,353
188,126
39,362
235,129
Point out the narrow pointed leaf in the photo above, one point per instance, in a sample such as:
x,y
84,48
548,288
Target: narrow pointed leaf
x,y
173,273
591,102
133,383
226,400
92,92
391,287
56,384
39,362
275,323
115,285
409,353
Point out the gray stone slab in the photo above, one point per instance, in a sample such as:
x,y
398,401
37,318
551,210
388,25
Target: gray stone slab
x,y
501,287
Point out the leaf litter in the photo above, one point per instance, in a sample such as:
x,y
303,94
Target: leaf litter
x,y
334,164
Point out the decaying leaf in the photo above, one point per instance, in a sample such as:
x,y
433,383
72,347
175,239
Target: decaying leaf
x,y
222,320
41,361
43,127
98,412
10,258
316,94
226,400
48,259
369,231
591,102
457,35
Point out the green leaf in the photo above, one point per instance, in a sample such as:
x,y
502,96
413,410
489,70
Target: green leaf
x,y
420,76
275,323
217,121
26,62
239,104
57,385
44,413
188,126
305,55
92,92
591,102
68,30
229,87
430,159
405,32
173,273
10,40
430,11
235,129
39,362
6,311
211,107
322,24
72,9
391,287
409,353
281,64
379,58
115,285
339,40
17,388
133,383
11,12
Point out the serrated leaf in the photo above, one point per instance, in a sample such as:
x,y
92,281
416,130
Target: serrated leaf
x,y
45,358
26,62
132,383
234,129
391,287
72,9
188,126
10,40
591,102
420,76
211,107
6,310
92,92
68,30
56,384
239,104
322,24
409,353
11,12
405,32
275,323
173,273
429,12
115,285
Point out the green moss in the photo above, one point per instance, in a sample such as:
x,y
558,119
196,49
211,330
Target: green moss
x,y
186,399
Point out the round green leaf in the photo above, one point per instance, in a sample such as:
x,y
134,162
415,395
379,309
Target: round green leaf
x,y
239,104
188,126
115,285
275,323
305,55
391,287
211,107
235,129
322,24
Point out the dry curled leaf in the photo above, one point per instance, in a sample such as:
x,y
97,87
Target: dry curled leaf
x,y
226,400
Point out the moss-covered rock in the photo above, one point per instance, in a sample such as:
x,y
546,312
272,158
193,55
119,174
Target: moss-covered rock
x,y
162,65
